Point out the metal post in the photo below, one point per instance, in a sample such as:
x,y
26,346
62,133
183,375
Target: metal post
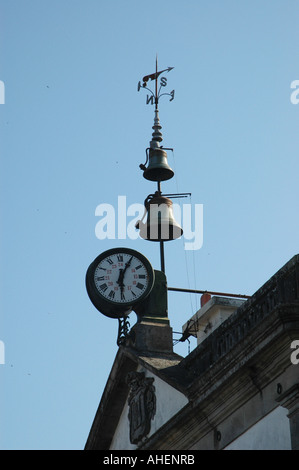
x,y
156,84
162,256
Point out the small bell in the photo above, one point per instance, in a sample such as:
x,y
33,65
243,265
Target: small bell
x,y
158,168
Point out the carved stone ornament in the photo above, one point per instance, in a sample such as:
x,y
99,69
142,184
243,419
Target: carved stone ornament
x,y
142,405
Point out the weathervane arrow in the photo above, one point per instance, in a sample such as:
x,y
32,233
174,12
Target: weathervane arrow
x,y
155,75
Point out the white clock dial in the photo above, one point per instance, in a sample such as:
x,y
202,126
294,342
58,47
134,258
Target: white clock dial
x,y
121,278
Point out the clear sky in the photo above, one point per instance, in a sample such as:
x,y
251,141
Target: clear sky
x,y
74,130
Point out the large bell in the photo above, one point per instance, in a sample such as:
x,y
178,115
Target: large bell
x,y
160,224
158,168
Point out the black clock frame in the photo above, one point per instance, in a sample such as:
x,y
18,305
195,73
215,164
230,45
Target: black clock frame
x,y
111,308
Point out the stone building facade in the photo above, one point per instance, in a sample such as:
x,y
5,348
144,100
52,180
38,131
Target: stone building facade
x,y
238,389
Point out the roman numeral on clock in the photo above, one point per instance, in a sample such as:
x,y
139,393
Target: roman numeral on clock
x,y
111,294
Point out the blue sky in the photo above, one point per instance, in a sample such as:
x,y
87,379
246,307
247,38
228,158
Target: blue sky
x,y
74,130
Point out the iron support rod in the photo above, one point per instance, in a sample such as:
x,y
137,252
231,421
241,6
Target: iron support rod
x,y
195,291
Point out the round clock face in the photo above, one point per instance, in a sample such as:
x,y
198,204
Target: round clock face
x,y
118,279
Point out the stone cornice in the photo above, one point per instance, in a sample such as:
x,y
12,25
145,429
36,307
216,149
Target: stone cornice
x,y
236,361
282,289
228,384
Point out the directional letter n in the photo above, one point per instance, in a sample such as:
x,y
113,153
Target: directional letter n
x,y
149,99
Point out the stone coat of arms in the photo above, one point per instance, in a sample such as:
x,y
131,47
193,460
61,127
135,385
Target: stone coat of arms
x,y
142,405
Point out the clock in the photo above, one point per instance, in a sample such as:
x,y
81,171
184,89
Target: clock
x,y
119,279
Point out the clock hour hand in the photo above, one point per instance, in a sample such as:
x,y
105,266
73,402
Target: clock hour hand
x,y
120,280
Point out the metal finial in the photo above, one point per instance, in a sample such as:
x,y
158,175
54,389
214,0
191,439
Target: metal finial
x,y
157,134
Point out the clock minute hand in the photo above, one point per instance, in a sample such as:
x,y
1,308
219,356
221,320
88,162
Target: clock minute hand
x,y
126,266
120,280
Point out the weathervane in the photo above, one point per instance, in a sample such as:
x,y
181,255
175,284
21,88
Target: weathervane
x,y
155,96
